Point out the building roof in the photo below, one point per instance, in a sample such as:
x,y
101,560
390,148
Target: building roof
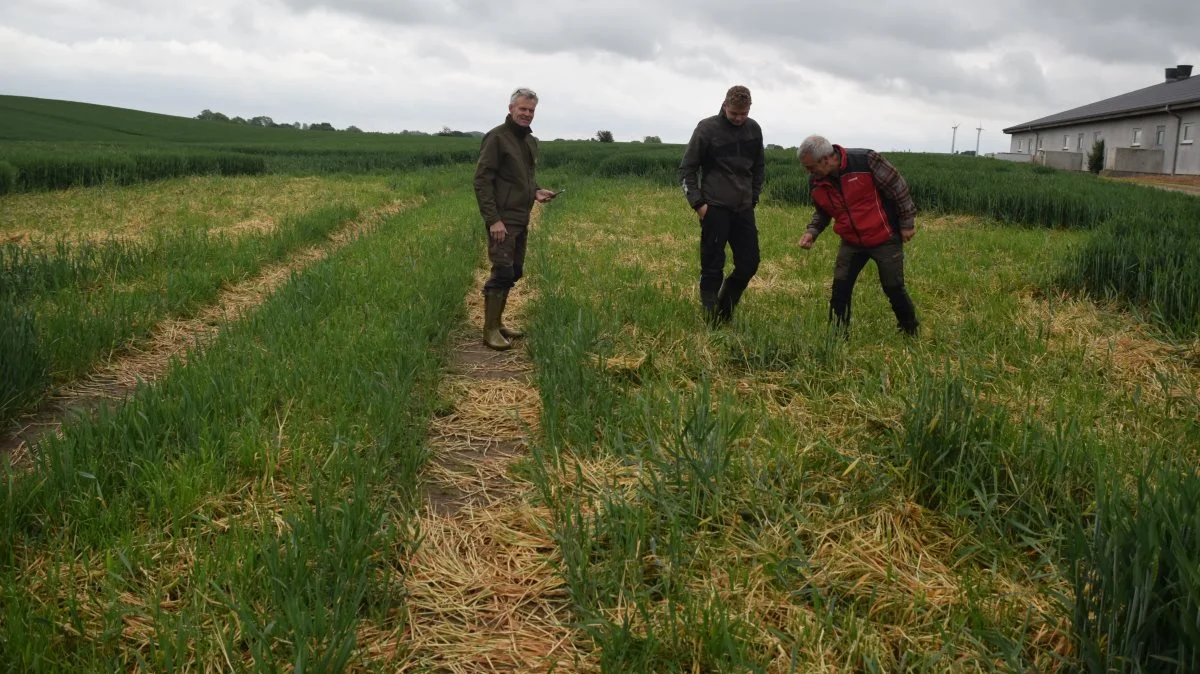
x,y
1182,93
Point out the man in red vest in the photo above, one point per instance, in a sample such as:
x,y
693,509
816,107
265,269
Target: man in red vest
x,y
873,213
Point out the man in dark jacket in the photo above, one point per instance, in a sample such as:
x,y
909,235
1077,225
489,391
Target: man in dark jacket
x,y
506,187
873,214
727,150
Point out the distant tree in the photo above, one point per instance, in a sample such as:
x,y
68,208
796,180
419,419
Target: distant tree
x,y
210,116
604,136
239,120
967,153
1095,158
652,139
353,129
447,131
263,121
773,146
321,126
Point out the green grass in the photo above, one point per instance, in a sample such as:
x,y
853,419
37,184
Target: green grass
x,y
1149,263
766,496
1010,492
49,144
77,304
40,119
212,204
248,511
1138,256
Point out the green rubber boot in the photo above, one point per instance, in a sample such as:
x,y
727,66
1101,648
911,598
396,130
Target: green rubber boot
x,y
493,306
509,333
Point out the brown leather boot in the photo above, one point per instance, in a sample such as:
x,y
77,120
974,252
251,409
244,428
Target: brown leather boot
x,y
509,333
493,306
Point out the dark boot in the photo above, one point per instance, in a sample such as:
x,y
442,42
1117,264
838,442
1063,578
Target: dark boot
x,y
727,299
902,306
839,307
708,301
509,333
493,306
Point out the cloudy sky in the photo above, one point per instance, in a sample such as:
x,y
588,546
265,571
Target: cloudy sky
x,y
889,74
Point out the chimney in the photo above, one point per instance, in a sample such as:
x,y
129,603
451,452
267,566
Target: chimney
x,y
1172,74
1183,72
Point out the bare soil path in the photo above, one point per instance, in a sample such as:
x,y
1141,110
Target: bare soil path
x,y
483,593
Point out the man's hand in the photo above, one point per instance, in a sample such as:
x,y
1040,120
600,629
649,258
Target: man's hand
x,y
702,211
807,240
544,196
906,235
498,231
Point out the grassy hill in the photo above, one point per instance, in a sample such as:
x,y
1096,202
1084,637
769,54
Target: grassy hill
x,y
40,119
51,144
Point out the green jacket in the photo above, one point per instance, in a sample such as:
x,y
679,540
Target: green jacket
x,y
731,161
505,183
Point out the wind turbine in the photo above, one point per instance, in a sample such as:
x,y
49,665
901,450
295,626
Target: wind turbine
x,y
978,133
954,138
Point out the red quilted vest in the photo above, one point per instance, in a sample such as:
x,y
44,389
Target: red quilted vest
x,y
862,216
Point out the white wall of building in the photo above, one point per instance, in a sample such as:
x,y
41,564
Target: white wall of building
x,y
1149,132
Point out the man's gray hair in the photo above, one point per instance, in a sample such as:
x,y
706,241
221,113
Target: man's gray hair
x,y
816,147
522,93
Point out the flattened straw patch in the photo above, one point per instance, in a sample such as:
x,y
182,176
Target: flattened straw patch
x,y
261,225
484,596
1135,359
622,362
891,556
499,409
468,477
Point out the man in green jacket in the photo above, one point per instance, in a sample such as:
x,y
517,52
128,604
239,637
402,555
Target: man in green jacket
x,y
506,187
727,150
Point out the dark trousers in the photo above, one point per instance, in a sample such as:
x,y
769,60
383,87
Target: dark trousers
x,y
889,259
720,294
507,258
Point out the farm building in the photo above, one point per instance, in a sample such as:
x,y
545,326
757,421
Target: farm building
x,y
1151,130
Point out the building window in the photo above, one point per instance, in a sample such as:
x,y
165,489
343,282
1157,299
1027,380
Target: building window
x,y
1020,146
1137,138
1067,141
1186,137
1160,135
1041,142
1080,146
1096,136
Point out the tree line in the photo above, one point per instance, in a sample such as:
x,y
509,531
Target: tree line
x,y
267,123
263,121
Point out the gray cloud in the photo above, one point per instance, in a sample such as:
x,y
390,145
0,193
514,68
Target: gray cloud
x,y
1111,31
901,47
893,71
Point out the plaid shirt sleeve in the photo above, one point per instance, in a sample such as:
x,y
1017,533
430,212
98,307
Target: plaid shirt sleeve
x,y
891,183
820,220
